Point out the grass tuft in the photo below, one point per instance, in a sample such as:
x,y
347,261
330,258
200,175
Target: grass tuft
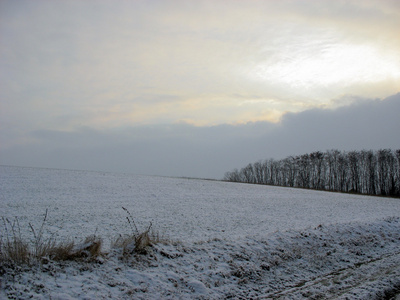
x,y
12,247
136,242
16,251
60,251
90,248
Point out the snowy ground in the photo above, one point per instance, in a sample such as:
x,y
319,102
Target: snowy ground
x,y
229,240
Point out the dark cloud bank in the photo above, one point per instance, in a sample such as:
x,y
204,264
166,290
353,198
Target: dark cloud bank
x,y
208,152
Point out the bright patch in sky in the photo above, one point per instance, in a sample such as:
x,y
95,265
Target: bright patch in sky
x,y
334,64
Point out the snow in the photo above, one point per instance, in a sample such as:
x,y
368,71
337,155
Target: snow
x,y
226,240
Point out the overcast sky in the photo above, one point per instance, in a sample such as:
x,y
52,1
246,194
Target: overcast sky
x,y
195,88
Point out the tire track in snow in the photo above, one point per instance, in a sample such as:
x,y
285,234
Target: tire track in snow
x,y
342,281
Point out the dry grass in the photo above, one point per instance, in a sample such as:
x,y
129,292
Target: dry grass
x,y
60,251
16,251
12,247
90,248
42,247
136,242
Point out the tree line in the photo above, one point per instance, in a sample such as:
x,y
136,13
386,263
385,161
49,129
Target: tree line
x,y
365,172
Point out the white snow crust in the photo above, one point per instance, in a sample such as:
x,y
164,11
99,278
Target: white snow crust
x,y
225,240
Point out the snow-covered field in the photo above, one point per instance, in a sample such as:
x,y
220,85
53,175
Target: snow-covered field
x,y
229,240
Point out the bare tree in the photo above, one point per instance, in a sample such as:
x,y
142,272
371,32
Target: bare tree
x,y
367,172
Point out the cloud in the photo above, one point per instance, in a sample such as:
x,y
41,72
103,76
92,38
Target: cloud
x,y
65,64
187,150
368,124
115,85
